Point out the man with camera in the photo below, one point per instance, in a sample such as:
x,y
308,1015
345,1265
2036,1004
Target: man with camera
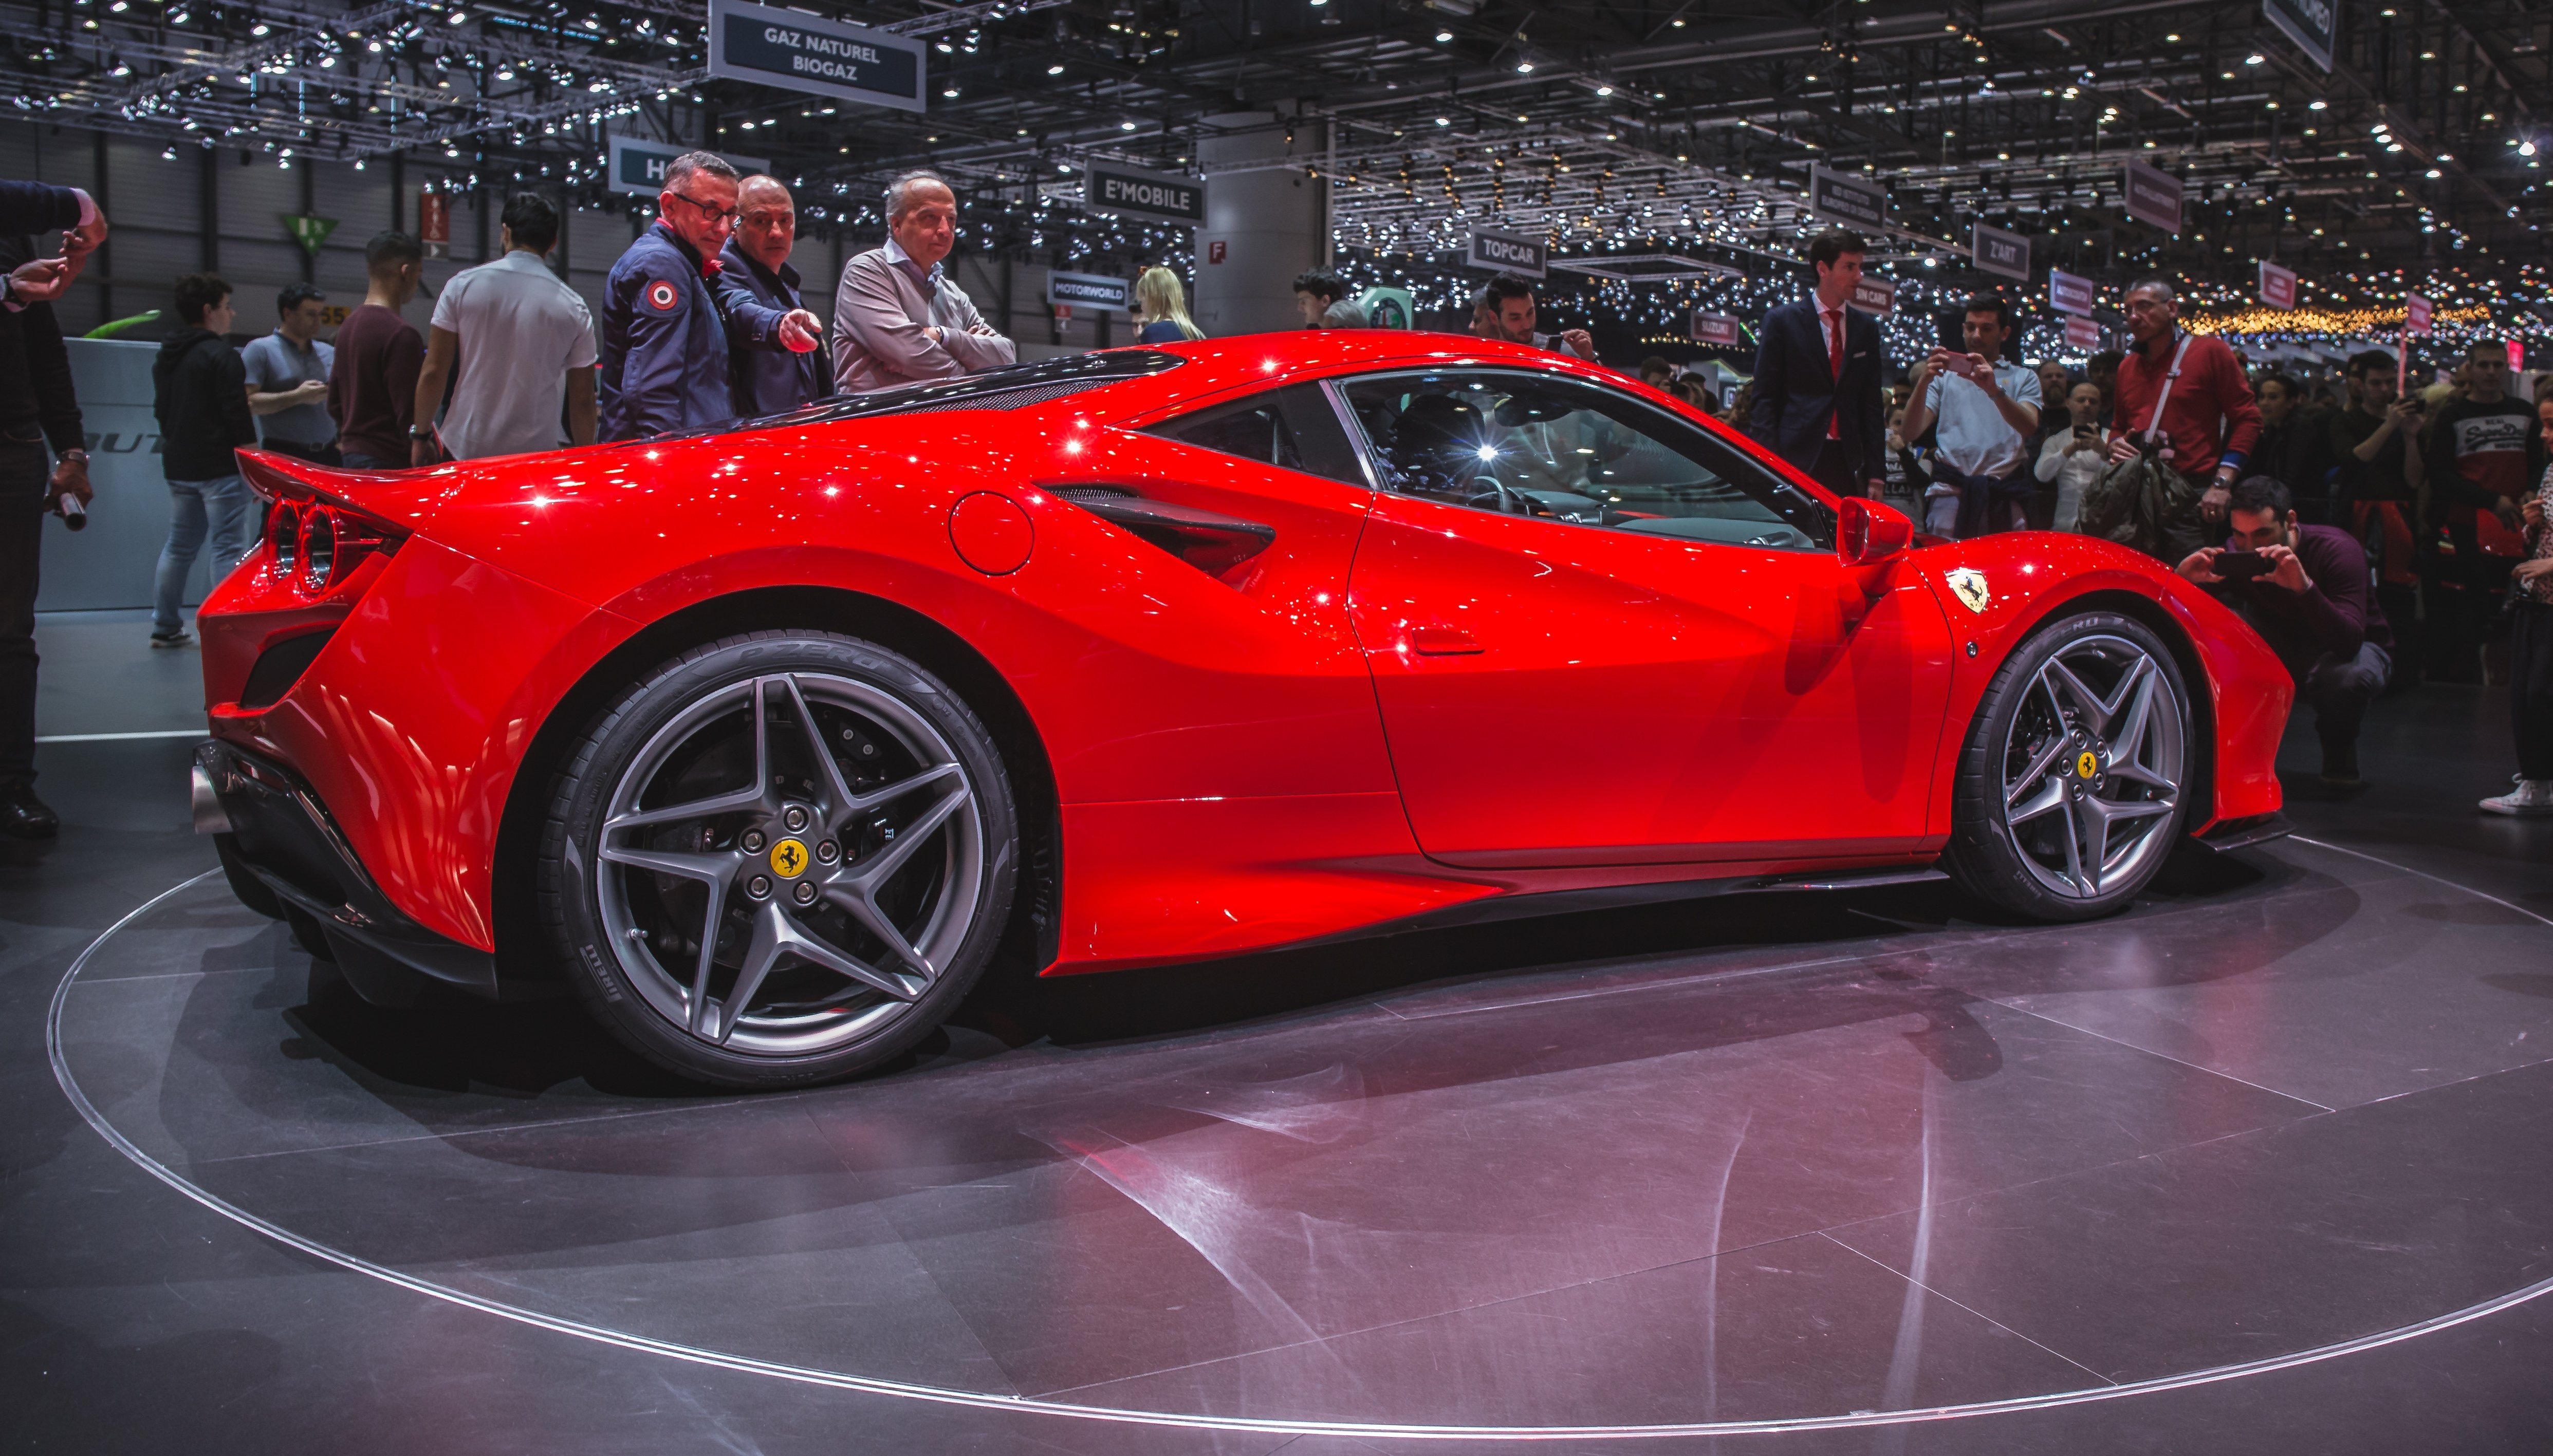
x,y
2303,588
2184,398
1988,411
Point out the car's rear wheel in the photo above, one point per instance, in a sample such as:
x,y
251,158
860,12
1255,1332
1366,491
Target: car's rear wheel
x,y
780,859
2070,788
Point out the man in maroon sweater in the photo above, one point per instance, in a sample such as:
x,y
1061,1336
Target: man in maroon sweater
x,y
2303,588
2209,420
371,385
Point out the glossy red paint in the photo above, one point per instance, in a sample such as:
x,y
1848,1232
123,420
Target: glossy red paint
x,y
1396,708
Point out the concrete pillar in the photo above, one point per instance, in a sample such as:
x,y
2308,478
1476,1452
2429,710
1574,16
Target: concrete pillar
x,y
1266,211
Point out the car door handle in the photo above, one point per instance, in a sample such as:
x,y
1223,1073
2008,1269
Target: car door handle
x,y
1442,641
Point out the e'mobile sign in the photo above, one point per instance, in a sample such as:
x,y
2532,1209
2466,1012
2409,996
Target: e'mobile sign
x,y
825,58
1147,195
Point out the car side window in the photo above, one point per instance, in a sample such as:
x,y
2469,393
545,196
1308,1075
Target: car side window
x,y
1291,428
1551,446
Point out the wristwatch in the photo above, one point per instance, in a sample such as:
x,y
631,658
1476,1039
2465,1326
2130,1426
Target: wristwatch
x,y
421,433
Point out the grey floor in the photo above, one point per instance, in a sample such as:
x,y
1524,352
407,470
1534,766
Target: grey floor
x,y
1766,1162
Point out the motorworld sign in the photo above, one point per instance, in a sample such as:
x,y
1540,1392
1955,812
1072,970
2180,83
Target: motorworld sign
x,y
1506,252
787,47
1087,290
1148,195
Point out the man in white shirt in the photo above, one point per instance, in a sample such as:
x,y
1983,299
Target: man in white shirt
x,y
899,318
524,342
1988,411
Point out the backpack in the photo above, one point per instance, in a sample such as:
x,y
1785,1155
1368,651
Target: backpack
x,y
2131,502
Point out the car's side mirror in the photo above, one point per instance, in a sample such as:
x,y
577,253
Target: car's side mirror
x,y
1868,532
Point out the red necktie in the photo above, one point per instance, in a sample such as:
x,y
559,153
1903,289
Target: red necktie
x,y
1834,367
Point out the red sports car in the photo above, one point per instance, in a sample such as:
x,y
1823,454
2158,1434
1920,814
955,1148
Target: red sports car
x,y
768,739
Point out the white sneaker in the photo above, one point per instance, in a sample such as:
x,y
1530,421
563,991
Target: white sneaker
x,y
2531,798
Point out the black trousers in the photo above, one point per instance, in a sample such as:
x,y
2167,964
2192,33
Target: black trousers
x,y
1831,469
24,469
2530,688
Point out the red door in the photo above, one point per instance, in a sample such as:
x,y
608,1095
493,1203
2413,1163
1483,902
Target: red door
x,y
1597,660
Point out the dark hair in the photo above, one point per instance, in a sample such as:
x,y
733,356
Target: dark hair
x,y
1504,287
1833,243
199,292
1658,363
2111,356
1320,284
294,295
531,220
2261,492
2367,361
391,248
2498,352
2281,381
1994,304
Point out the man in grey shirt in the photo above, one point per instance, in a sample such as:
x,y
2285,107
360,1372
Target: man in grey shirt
x,y
287,379
1988,411
897,317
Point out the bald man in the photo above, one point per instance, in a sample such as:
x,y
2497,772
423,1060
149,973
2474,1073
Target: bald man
x,y
773,364
899,318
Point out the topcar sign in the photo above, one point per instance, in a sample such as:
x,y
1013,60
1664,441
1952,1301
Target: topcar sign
x,y
1507,253
1150,196
826,57
638,167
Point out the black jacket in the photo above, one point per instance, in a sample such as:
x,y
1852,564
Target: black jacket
x,y
1797,391
34,207
199,393
34,369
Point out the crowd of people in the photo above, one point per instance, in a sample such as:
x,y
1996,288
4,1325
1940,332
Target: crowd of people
x,y
2374,540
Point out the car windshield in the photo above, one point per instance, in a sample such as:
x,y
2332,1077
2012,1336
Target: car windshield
x,y
1528,445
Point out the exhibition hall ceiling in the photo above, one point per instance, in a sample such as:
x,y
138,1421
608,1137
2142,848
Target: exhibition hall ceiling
x,y
1691,128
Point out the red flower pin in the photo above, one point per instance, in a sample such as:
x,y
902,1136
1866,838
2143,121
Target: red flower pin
x,y
710,267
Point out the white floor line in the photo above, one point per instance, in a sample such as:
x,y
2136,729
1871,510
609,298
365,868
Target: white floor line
x,y
121,738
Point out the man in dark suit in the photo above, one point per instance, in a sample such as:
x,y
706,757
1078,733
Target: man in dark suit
x,y
1816,377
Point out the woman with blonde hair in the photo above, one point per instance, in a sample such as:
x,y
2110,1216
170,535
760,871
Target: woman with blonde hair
x,y
1162,307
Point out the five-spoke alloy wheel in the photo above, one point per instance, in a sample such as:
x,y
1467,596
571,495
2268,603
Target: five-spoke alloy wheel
x,y
781,860
2071,787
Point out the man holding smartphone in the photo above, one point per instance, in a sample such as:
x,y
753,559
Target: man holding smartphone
x,y
1988,411
2303,588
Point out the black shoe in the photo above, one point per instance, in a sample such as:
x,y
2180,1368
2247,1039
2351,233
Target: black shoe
x,y
23,816
2340,765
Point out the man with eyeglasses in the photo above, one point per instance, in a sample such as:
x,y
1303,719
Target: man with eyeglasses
x,y
664,332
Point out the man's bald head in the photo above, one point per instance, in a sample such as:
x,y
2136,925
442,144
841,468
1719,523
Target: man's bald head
x,y
767,225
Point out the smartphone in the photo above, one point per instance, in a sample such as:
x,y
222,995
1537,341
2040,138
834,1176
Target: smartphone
x,y
2083,431
1956,364
2241,566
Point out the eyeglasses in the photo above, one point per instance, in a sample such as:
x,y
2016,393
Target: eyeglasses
x,y
709,211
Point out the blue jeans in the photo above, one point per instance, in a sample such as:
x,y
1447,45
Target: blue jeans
x,y
226,509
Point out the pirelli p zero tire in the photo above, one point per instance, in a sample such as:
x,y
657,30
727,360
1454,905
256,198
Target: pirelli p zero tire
x,y
2071,790
780,859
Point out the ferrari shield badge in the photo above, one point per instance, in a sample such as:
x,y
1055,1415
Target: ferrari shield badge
x,y
1969,585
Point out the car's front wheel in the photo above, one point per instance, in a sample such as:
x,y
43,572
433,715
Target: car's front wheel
x,y
2072,787
780,859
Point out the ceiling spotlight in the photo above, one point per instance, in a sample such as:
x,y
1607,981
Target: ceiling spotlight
x,y
1524,67
1444,35
2317,106
258,29
2255,59
1444,121
1054,70
457,17
2527,149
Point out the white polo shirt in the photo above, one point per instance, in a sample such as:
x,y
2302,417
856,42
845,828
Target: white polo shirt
x,y
521,330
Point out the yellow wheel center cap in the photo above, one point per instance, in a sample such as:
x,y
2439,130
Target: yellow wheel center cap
x,y
2085,765
789,858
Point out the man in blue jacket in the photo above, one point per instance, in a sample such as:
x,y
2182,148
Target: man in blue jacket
x,y
664,364
774,364
1816,377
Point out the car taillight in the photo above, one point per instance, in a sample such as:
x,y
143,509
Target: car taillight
x,y
315,546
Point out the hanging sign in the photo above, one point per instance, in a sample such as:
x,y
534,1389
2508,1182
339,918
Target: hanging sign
x,y
2516,357
2415,315
2071,294
2278,286
1145,196
822,58
434,223
2314,24
310,232
2153,195
1507,253
635,165
1853,202
2082,335
1088,291
1874,295
2004,254
1717,330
